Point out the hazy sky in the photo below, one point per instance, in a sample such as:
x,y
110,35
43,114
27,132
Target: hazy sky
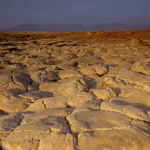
x,y
86,12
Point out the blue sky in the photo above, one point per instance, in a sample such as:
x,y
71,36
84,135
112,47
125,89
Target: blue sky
x,y
86,12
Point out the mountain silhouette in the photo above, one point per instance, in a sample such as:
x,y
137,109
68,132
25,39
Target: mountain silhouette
x,y
76,27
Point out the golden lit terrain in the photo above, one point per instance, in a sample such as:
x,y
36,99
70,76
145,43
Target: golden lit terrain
x,y
75,90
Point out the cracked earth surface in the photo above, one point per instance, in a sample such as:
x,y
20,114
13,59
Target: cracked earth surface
x,y
75,91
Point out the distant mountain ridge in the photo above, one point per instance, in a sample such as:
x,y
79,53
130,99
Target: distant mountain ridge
x,y
76,27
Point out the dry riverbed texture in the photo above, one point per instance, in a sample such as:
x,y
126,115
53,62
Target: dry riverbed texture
x,y
75,91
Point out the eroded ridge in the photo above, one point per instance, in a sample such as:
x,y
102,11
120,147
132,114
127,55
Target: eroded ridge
x,y
75,91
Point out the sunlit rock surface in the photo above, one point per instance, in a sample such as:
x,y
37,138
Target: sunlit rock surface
x,y
75,91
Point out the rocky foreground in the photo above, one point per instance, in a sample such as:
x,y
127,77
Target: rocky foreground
x,y
75,91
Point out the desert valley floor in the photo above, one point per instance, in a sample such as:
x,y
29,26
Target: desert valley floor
x,y
75,91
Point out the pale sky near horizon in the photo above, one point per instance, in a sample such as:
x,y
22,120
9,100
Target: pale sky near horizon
x,y
85,12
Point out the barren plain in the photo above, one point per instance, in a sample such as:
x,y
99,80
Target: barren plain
x,y
75,90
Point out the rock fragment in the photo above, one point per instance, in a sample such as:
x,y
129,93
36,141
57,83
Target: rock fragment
x,y
110,106
8,123
141,67
13,104
133,77
33,128
64,74
64,87
135,113
72,100
4,81
143,127
58,141
115,140
97,69
104,94
88,121
36,95
22,80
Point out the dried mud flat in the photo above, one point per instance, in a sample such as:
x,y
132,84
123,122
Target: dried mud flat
x,y
75,91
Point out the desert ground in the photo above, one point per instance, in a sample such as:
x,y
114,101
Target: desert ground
x,y
75,90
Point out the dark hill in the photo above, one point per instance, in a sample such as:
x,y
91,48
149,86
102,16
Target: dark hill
x,y
75,27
